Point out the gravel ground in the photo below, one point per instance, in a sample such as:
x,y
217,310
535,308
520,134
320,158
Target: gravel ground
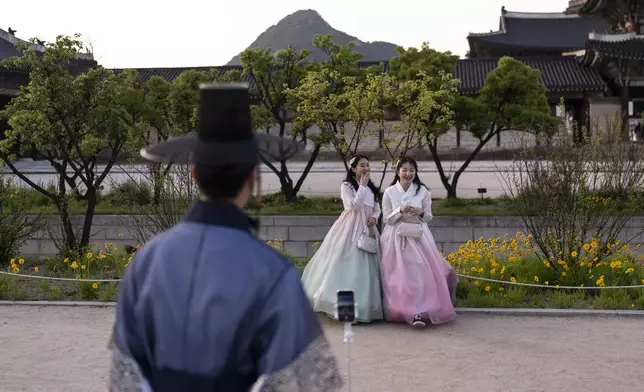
x,y
64,349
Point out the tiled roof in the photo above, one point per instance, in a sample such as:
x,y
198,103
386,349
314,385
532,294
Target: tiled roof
x,y
170,74
558,74
627,46
556,31
8,49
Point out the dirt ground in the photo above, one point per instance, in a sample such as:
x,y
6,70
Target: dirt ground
x,y
64,349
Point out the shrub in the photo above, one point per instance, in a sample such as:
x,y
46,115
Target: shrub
x,y
578,193
16,226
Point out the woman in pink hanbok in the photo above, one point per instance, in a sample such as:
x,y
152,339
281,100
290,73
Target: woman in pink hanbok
x,y
419,286
340,263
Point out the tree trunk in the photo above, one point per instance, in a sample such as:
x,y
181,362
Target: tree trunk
x,y
69,236
451,191
289,193
157,186
89,218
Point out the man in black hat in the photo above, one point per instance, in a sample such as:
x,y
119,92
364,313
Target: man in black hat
x,y
206,306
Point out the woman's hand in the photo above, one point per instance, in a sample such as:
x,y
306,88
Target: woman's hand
x,y
405,209
371,222
364,180
415,211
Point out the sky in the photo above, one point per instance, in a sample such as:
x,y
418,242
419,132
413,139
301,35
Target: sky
x,y
189,33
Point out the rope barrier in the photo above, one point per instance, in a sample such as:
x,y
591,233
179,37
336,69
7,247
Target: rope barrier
x,y
543,286
59,279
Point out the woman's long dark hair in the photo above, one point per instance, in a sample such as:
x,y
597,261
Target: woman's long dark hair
x,y
416,179
351,177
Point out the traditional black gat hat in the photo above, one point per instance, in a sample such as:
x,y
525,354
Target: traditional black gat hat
x,y
225,135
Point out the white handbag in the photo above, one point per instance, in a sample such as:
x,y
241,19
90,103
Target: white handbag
x,y
366,242
410,227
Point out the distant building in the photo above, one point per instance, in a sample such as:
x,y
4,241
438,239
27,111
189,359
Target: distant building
x,y
591,55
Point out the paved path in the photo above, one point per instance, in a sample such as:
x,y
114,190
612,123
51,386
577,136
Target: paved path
x,y
64,349
325,177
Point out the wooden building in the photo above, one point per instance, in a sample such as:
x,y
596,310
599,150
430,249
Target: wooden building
x,y
591,55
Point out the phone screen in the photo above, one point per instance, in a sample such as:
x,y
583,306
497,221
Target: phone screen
x,y
345,297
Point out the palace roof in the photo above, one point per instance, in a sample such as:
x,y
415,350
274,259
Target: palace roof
x,y
558,74
547,31
625,46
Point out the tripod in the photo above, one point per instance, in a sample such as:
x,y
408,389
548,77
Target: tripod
x,y
348,339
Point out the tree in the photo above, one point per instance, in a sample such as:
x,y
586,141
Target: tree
x,y
359,106
164,192
397,138
334,94
513,98
67,120
274,75
410,63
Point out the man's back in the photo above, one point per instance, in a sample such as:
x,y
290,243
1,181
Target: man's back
x,y
207,306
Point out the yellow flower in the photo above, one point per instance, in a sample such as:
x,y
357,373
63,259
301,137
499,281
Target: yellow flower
x,y
536,279
12,261
95,285
488,288
501,289
513,279
316,244
74,265
477,283
21,261
35,269
632,305
15,270
586,246
574,253
630,270
564,273
66,260
83,267
90,255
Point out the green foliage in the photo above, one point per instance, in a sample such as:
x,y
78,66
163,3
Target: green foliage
x,y
68,120
16,226
275,74
411,63
513,98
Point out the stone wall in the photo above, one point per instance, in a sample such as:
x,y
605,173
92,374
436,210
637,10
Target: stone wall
x,y
447,142
300,233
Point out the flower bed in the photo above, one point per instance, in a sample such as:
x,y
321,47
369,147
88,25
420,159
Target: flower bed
x,y
516,260
511,260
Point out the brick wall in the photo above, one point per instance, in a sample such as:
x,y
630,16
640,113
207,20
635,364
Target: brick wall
x,y
300,233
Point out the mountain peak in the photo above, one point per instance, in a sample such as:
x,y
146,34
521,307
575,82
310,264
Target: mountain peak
x,y
304,16
299,28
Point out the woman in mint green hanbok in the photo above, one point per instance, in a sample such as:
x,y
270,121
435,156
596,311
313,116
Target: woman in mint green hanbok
x,y
340,264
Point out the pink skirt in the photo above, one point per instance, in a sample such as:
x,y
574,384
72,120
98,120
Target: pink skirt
x,y
416,279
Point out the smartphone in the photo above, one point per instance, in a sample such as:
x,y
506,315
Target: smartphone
x,y
346,306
